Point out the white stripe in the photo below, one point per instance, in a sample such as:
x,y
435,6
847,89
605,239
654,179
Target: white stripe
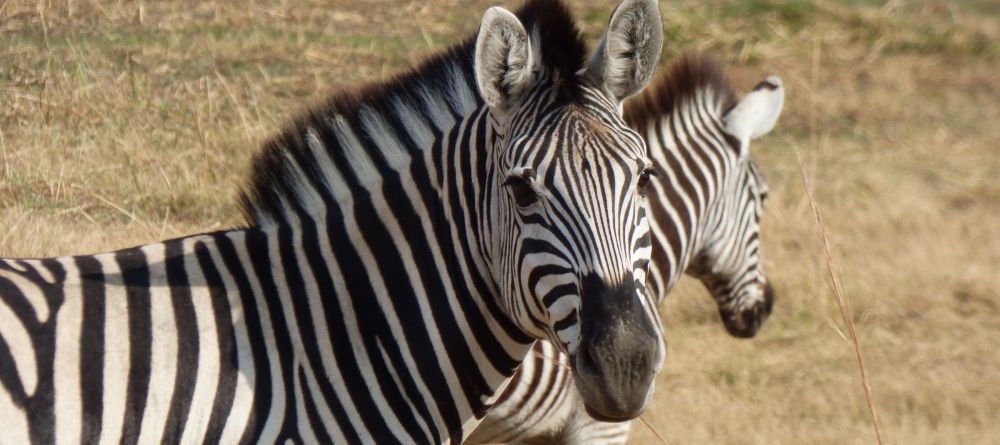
x,y
13,421
116,351
275,414
239,413
377,278
459,95
305,193
69,322
333,179
416,127
326,348
511,347
305,429
437,109
424,426
354,152
15,334
163,363
322,332
41,270
384,137
331,426
16,265
360,352
32,294
207,377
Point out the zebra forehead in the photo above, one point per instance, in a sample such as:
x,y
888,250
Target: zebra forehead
x,y
583,134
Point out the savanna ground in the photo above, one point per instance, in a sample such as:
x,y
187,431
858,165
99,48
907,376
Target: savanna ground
x,y
123,123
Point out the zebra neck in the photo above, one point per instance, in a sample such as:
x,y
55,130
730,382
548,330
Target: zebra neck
x,y
390,190
330,308
689,151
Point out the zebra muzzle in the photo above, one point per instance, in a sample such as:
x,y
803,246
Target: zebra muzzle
x,y
619,353
744,322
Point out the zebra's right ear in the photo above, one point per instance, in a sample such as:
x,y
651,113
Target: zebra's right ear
x,y
755,114
502,62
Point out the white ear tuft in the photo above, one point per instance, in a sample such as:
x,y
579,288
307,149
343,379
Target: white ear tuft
x,y
503,57
755,114
627,56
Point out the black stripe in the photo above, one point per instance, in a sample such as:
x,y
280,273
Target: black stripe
x,y
367,313
12,297
367,309
225,390
336,330
283,334
765,85
9,377
187,340
135,278
318,427
92,347
435,291
41,408
334,317
475,135
254,242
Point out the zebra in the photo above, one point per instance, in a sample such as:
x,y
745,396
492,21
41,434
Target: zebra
x,y
406,243
705,203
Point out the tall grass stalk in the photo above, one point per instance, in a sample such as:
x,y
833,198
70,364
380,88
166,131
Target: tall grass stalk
x,y
838,293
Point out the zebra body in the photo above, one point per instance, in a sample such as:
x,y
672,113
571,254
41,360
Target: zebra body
x,y
406,245
705,206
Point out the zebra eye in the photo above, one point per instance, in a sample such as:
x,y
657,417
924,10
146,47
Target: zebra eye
x,y
644,179
522,191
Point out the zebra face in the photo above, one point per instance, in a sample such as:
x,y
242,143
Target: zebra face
x,y
573,205
575,259
569,238
730,262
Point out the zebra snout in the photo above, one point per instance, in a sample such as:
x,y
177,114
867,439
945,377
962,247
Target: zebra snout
x,y
619,353
745,322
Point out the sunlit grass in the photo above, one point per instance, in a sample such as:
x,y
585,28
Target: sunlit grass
x,y
120,126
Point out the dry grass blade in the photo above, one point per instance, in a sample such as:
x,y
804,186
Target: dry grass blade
x,y
121,210
653,430
554,361
841,299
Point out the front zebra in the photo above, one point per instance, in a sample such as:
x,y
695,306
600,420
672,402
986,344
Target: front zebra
x,y
407,244
705,203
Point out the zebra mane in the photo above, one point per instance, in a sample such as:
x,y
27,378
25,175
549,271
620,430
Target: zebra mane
x,y
285,175
686,78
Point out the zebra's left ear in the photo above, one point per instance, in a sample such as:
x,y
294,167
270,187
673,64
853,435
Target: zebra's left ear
x,y
627,56
755,114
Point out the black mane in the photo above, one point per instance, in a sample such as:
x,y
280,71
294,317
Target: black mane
x,y
272,188
691,75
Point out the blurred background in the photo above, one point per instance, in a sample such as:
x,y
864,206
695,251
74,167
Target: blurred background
x,y
128,122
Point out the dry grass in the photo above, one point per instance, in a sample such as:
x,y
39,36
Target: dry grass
x,y
126,122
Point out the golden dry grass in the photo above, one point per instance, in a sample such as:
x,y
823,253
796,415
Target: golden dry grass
x,y
127,122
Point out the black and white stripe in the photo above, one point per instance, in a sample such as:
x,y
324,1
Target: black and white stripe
x,y
705,204
406,246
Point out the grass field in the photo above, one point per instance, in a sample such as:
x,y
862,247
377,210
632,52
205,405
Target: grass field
x,y
124,122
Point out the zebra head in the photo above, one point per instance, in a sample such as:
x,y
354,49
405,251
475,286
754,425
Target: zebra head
x,y
570,241
729,264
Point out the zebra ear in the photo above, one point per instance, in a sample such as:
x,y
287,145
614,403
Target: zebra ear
x,y
755,114
627,56
502,62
